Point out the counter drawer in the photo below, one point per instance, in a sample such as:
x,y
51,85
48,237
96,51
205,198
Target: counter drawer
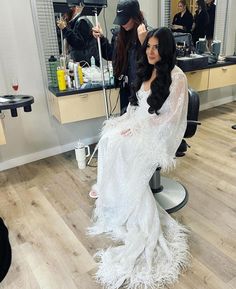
x,y
198,80
82,106
222,76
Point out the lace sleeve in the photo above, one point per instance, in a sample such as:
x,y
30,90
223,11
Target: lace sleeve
x,y
174,110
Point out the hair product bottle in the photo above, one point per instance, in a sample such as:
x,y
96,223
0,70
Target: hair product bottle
x,y
53,64
76,78
92,62
80,75
61,79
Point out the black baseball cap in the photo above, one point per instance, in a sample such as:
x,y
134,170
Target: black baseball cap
x,y
125,10
72,3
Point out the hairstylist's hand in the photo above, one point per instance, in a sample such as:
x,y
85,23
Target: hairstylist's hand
x,y
61,24
97,31
142,33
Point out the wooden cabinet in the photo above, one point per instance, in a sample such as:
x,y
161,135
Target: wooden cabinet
x,y
198,80
2,135
212,78
222,76
83,106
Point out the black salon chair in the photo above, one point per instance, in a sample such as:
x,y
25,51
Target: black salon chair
x,y
170,194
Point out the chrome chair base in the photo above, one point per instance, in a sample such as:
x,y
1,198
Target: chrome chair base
x,y
173,195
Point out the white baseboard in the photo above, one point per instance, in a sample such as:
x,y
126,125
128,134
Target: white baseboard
x,y
11,163
217,102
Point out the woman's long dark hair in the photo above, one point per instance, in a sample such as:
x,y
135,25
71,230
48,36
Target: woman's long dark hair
x,y
124,40
160,86
201,4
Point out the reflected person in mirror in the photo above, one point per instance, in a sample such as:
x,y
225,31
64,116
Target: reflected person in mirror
x,y
200,21
77,31
211,10
182,21
124,46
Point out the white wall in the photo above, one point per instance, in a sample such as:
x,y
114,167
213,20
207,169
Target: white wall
x,y
150,10
231,28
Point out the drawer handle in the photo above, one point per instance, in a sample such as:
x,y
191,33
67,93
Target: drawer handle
x,y
83,95
224,68
193,72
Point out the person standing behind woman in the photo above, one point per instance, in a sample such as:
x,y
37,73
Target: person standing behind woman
x,y
77,31
124,46
200,21
211,10
182,21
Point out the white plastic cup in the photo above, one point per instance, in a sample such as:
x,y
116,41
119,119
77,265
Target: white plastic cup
x,y
81,155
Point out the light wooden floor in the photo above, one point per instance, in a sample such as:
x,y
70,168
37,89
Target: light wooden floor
x,y
47,209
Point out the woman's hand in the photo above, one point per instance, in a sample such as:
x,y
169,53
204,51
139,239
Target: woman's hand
x,y
126,132
61,24
175,27
97,31
142,33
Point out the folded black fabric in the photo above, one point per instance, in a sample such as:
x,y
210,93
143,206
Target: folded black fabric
x,y
5,251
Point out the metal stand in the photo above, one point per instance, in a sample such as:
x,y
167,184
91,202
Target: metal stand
x,y
101,67
95,12
62,40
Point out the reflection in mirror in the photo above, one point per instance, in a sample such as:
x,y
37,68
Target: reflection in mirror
x,y
195,17
74,33
50,41
60,9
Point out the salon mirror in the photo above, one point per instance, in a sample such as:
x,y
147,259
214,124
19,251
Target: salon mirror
x,y
192,6
107,14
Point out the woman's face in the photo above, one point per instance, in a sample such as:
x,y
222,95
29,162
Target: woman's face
x,y
152,52
181,7
129,25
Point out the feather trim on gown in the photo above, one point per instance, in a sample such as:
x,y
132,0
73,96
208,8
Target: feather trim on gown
x,y
154,248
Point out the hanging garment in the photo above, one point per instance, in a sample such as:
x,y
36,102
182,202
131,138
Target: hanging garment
x,y
153,247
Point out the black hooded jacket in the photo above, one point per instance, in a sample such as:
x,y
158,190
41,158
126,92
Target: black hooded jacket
x,y
109,52
82,44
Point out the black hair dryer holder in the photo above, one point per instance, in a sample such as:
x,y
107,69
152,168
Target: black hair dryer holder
x,y
13,102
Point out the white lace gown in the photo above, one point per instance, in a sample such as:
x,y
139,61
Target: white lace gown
x,y
153,247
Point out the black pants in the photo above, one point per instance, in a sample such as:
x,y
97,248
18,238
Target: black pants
x,y
124,97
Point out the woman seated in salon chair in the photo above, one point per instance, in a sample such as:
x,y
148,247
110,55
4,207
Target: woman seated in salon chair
x,y
131,147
